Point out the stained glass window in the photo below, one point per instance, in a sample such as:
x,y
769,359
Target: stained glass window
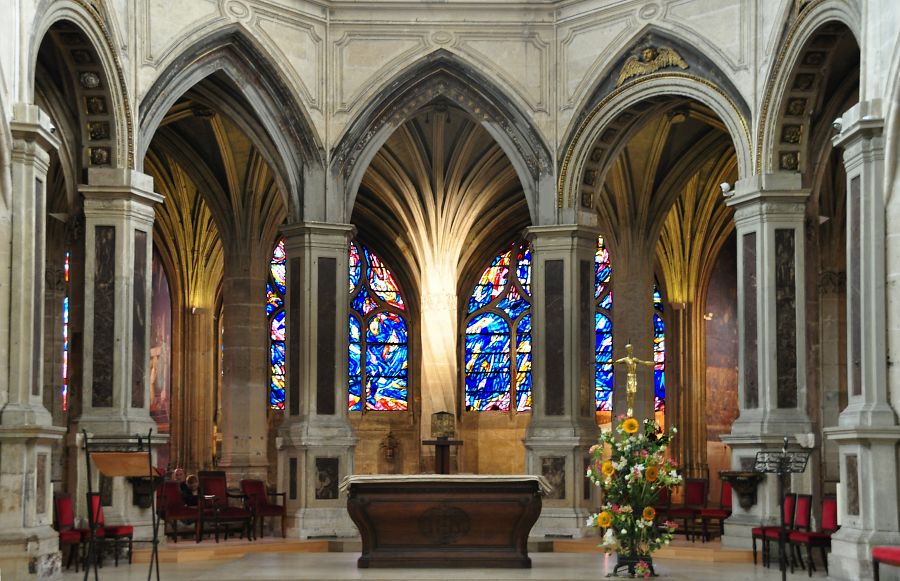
x,y
275,289
659,357
603,328
498,326
379,350
603,346
65,333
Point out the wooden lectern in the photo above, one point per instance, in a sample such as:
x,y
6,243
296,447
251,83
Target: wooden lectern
x,y
443,430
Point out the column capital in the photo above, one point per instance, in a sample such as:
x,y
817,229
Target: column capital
x,y
862,121
561,234
32,127
108,184
318,233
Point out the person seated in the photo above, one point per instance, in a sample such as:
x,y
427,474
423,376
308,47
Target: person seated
x,y
190,490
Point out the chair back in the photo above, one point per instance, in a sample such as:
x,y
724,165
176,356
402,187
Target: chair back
x,y
171,495
64,516
255,490
790,502
695,492
803,513
96,510
829,515
725,497
663,499
212,482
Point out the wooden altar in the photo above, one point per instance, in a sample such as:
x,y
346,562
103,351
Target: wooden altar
x,y
444,521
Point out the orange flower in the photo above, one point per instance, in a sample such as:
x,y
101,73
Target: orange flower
x,y
630,426
649,513
651,474
607,468
604,519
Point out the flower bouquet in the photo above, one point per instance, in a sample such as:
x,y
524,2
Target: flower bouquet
x,y
631,478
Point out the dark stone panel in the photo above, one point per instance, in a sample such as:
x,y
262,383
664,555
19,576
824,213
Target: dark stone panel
x,y
293,361
852,485
106,490
553,468
41,484
854,282
139,320
587,484
751,339
104,315
292,476
555,342
586,337
325,336
37,322
786,318
327,473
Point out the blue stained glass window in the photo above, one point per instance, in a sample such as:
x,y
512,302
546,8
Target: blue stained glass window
x,y
659,354
65,333
498,335
275,290
378,358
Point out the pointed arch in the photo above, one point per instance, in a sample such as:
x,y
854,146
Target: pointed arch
x,y
88,47
291,144
783,132
612,110
442,75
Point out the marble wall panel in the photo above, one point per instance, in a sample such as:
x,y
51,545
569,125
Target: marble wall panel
x,y
294,340
104,315
852,484
553,468
139,320
786,318
327,473
292,478
854,283
326,300
37,289
750,313
722,344
555,338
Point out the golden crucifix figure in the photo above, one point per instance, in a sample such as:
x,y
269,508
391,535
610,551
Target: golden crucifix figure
x,y
631,362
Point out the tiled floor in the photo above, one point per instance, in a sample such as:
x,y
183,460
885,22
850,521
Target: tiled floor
x,y
342,567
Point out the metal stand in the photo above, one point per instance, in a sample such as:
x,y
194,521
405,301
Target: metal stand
x,y
781,462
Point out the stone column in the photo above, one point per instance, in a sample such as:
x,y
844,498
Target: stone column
x,y
28,544
115,400
867,433
769,217
563,424
315,443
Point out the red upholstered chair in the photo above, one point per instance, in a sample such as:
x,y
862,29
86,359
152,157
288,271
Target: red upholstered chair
x,y
69,536
663,504
801,522
694,502
790,501
115,533
821,539
886,556
171,507
717,514
260,505
214,505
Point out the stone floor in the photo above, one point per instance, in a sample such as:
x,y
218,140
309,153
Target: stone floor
x,y
342,567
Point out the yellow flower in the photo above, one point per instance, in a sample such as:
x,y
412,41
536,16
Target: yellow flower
x,y
652,474
630,426
649,513
604,519
607,468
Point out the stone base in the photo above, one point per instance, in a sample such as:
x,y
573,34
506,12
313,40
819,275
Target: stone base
x,y
561,522
851,555
30,554
312,523
738,533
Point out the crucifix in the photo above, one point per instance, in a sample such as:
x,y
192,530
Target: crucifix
x,y
631,362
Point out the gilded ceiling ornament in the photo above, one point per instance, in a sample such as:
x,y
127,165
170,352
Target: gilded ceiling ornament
x,y
651,60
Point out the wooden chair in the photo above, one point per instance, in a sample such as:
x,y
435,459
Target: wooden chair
x,y
821,539
790,501
662,505
884,556
214,505
260,506
802,522
69,536
106,532
694,502
719,514
171,508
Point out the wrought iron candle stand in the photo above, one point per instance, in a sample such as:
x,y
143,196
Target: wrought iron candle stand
x,y
781,462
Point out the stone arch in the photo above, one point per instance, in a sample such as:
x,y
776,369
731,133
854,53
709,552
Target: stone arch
x,y
798,74
86,44
616,104
290,145
599,135
5,151
442,75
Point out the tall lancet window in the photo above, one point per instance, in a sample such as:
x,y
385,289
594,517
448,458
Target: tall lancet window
x,y
659,356
65,334
379,351
499,325
275,289
603,327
